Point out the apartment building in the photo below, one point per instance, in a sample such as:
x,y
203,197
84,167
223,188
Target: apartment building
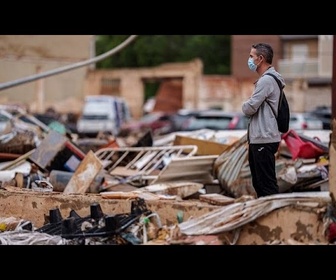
x,y
306,64
305,61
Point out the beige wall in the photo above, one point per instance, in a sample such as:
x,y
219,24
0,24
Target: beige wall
x,y
132,82
26,55
299,224
202,91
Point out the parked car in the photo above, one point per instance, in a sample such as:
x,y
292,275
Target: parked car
x,y
324,114
181,117
216,120
158,122
302,121
102,113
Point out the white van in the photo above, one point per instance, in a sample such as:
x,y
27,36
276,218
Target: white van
x,y
102,113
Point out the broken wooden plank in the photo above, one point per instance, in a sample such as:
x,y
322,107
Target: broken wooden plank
x,y
181,188
18,161
136,194
216,199
123,171
205,147
44,154
84,175
57,152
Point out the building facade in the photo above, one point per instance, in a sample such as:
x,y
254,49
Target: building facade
x,y
305,61
24,56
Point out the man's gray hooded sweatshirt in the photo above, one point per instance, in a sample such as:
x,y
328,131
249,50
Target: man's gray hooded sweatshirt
x,y
263,126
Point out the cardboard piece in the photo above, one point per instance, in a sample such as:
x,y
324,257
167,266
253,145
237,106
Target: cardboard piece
x,y
205,147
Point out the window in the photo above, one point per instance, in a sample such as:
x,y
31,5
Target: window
x,y
110,86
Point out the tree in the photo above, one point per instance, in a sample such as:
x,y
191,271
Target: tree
x,y
153,50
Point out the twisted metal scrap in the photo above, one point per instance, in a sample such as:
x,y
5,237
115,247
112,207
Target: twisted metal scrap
x,y
229,165
235,215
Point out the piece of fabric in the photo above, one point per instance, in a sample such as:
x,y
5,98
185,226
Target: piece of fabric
x,y
300,148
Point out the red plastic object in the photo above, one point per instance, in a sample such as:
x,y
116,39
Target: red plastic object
x,y
300,148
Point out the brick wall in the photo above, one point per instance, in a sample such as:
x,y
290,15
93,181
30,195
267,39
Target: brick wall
x,y
240,51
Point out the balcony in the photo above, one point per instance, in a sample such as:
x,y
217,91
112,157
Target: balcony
x,y
307,68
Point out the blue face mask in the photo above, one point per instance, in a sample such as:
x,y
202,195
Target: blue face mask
x,y
251,64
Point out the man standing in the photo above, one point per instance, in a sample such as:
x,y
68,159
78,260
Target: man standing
x,y
263,134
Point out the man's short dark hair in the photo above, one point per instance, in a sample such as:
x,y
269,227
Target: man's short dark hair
x,y
265,50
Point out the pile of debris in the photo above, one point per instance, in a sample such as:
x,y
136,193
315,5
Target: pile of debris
x,y
205,165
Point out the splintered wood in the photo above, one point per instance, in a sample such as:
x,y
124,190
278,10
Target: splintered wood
x,y
84,174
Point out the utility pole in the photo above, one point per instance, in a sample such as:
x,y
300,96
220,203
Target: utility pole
x,y
333,82
332,146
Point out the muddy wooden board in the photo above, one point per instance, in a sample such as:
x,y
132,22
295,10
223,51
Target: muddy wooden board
x,y
84,174
205,147
216,199
180,188
136,194
52,144
124,171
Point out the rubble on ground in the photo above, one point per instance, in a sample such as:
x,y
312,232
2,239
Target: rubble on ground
x,y
204,165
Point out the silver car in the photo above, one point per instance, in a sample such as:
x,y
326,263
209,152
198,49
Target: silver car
x,y
304,121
